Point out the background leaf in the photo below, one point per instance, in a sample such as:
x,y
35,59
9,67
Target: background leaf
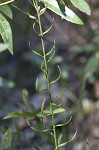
x,y
7,140
6,33
82,6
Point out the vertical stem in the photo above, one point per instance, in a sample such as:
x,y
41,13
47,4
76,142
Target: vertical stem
x,y
46,73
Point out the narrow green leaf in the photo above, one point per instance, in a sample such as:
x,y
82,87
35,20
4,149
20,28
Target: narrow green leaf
x,y
62,11
63,124
45,32
60,138
49,59
57,77
82,5
7,10
59,110
7,140
6,33
26,101
42,107
65,143
58,103
48,112
19,114
37,129
56,111
42,11
53,48
37,84
37,53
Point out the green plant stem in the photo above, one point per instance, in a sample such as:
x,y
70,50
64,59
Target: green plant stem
x,y
46,73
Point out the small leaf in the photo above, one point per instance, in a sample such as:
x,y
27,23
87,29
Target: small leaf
x,y
46,31
53,47
37,84
59,110
57,77
60,138
7,140
37,53
82,5
65,143
42,11
49,59
41,129
26,101
63,124
42,107
6,33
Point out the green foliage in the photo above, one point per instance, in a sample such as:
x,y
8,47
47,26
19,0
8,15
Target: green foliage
x,y
35,119
7,140
82,6
6,33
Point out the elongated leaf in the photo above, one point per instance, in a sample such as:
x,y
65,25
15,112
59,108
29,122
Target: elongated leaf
x,y
62,11
43,129
65,143
42,107
82,5
37,84
53,47
45,32
60,138
56,111
7,140
7,10
63,124
26,101
19,114
42,11
57,77
6,33
59,110
37,53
